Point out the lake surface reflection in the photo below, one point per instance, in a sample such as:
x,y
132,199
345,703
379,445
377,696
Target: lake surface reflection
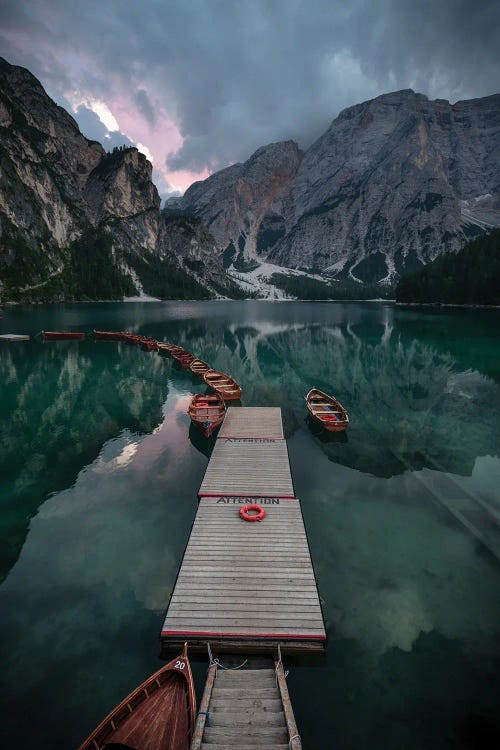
x,y
98,478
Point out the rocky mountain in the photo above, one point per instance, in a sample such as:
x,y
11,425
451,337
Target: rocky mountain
x,y
233,203
78,222
392,183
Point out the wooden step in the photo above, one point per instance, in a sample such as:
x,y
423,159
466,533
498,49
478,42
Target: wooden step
x,y
249,701
223,693
244,675
247,719
239,736
253,684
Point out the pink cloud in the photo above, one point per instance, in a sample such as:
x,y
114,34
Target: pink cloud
x,y
162,139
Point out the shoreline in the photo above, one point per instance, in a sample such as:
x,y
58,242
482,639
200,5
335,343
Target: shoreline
x,y
129,300
464,305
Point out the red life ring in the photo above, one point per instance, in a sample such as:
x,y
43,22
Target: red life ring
x,y
247,515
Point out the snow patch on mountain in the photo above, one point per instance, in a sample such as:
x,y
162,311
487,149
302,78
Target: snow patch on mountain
x,y
258,280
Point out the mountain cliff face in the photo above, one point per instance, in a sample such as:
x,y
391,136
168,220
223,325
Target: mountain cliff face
x,y
67,205
391,184
232,203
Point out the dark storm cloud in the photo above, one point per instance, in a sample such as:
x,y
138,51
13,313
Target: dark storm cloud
x,y
143,102
235,75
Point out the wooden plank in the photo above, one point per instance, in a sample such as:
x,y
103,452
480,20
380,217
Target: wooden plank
x,y
263,605
293,600
282,590
242,632
252,422
203,710
251,644
294,741
258,566
268,624
237,608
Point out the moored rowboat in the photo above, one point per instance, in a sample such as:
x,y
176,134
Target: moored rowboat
x,y
327,410
171,349
132,338
165,348
109,335
224,384
149,344
199,367
183,358
158,715
207,412
58,335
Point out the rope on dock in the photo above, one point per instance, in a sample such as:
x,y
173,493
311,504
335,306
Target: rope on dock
x,y
217,663
279,664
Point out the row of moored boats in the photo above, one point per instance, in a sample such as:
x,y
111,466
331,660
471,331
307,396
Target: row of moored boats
x,y
207,411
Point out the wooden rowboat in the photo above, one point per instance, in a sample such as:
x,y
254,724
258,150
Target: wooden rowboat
x,y
149,344
224,384
207,412
183,358
165,348
158,715
327,410
132,338
199,367
171,349
146,342
109,335
59,335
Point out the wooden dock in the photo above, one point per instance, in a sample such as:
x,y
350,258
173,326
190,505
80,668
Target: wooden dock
x,y
246,586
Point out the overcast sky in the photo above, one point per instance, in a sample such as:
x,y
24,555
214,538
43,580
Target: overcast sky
x,y
200,84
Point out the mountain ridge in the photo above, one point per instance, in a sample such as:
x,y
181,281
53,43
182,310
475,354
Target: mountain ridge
x,y
63,196
392,183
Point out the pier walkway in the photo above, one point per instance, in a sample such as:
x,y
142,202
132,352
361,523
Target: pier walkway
x,y
246,586
246,708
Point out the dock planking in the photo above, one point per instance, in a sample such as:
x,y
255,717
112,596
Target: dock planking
x,y
242,580
252,422
247,585
248,468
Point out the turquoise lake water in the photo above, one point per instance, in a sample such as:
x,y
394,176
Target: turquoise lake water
x,y
99,472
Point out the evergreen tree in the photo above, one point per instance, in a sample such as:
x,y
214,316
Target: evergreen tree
x,y
469,277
